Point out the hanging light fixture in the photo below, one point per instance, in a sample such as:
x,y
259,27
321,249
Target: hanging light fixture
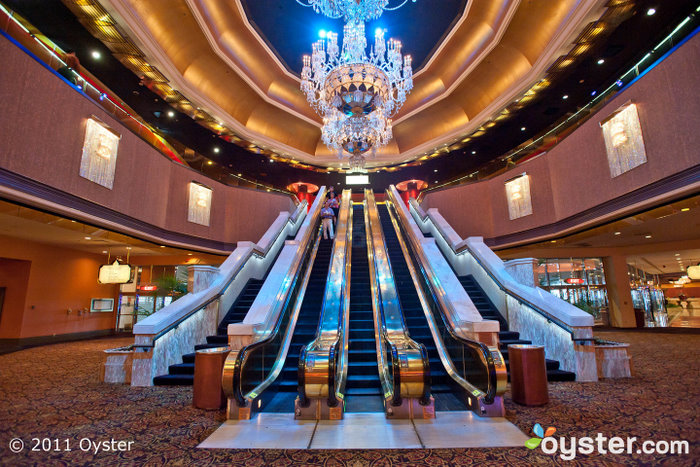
x,y
356,93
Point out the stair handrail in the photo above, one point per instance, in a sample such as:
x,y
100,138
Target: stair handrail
x,y
490,357
228,272
528,296
407,360
323,362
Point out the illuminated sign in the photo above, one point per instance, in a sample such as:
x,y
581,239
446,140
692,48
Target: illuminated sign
x,y
114,273
148,288
357,179
574,280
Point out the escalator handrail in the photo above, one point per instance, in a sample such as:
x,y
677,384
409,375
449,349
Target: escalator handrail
x,y
384,286
466,249
235,363
331,336
438,298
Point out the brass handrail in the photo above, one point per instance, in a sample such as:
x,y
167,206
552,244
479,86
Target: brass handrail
x,y
407,362
323,362
430,292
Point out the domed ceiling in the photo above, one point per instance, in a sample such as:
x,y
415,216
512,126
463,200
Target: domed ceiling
x,y
239,60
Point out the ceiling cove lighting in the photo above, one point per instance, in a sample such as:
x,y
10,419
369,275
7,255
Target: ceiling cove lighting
x,y
356,93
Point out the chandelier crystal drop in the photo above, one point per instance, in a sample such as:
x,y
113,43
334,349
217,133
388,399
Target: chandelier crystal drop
x,y
356,93
351,10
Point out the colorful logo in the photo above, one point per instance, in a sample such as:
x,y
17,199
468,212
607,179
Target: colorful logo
x,y
532,443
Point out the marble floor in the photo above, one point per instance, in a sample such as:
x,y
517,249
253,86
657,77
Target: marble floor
x,y
365,431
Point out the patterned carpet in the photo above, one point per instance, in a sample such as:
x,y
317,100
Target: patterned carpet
x,y
53,392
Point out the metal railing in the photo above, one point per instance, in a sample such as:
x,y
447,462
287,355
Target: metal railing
x,y
404,368
476,368
323,362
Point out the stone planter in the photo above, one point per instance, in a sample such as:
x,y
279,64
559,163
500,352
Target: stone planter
x,y
117,365
613,360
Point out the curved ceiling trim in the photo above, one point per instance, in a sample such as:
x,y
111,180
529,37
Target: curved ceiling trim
x,y
121,11
489,46
196,8
577,20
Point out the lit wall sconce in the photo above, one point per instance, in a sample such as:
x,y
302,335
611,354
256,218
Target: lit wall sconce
x,y
624,143
199,209
99,158
518,196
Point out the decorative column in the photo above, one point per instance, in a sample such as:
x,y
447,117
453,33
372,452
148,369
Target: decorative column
x,y
200,277
523,270
617,282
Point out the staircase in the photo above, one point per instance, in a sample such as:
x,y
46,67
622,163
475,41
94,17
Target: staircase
x,y
363,388
506,337
441,387
182,374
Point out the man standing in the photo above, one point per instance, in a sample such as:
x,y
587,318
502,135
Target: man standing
x,y
327,220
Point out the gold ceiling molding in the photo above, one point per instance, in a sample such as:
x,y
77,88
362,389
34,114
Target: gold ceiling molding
x,y
168,34
246,51
492,56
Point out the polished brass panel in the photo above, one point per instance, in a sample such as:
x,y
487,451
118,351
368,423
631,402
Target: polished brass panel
x,y
477,396
390,330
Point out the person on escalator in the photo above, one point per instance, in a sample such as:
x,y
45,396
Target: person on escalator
x,y
335,206
327,217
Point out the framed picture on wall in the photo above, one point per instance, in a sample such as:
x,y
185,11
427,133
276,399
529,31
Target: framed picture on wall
x,y
101,305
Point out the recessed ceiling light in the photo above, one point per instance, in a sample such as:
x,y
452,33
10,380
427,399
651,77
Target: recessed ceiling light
x,y
565,96
88,238
96,55
553,241
618,233
473,152
435,170
189,254
162,246
239,175
682,210
522,128
601,61
171,114
271,161
104,251
128,248
210,163
651,11
678,254
217,150
647,236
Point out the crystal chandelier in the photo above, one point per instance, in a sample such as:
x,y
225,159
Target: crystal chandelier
x,y
355,93
351,10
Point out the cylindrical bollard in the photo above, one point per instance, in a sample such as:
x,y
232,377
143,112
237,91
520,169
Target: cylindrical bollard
x,y
208,365
528,374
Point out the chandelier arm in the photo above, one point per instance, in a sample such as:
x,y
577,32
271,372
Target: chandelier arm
x,y
388,8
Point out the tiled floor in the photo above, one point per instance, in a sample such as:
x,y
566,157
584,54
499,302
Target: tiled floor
x,y
366,431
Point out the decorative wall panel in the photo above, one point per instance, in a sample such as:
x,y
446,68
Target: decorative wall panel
x,y
623,140
199,208
99,157
518,196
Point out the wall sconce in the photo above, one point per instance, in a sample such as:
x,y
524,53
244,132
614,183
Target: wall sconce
x,y
99,158
624,143
199,208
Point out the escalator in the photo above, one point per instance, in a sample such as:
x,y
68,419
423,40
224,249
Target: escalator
x,y
304,332
505,337
363,389
441,387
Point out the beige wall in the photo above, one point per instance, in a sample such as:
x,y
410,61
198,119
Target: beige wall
x,y
53,279
574,175
43,126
